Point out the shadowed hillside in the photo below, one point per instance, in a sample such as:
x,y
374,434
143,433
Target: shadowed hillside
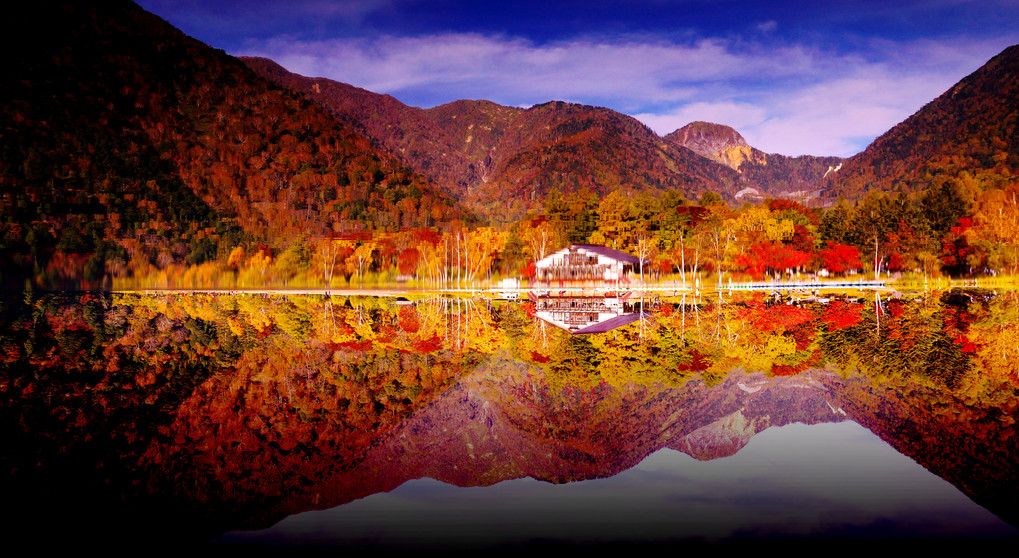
x,y
128,146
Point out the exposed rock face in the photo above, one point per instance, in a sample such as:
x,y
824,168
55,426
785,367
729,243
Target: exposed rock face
x,y
761,175
717,142
722,438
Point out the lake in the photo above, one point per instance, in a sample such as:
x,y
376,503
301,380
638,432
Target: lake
x,y
468,423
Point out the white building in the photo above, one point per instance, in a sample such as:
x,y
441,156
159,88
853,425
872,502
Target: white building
x,y
586,264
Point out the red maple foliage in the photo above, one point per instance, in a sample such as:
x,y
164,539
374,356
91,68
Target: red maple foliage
x,y
766,256
841,315
840,258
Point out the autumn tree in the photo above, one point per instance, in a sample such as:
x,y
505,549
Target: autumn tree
x,y
574,215
994,230
840,258
361,259
540,237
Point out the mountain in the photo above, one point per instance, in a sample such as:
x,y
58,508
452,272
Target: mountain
x,y
717,142
129,149
126,145
761,175
964,139
967,138
570,147
503,160
454,145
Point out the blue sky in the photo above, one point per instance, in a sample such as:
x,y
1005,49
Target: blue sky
x,y
794,77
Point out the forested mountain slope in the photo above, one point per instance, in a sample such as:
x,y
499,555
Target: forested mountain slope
x,y
967,138
126,145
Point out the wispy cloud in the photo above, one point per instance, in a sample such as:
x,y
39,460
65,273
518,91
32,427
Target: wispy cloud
x,y
790,99
636,71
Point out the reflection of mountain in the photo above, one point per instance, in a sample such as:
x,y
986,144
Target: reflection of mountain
x,y
474,435
769,402
971,444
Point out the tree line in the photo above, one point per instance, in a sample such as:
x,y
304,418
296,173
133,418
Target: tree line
x,y
942,232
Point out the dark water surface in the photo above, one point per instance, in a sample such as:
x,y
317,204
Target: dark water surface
x,y
364,423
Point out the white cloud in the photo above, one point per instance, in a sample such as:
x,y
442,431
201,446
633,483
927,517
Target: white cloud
x,y
840,115
636,71
787,99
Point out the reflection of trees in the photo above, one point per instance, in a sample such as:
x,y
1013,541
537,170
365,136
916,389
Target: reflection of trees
x,y
575,361
460,323
995,345
943,339
938,386
211,401
958,346
646,324
904,339
327,325
541,332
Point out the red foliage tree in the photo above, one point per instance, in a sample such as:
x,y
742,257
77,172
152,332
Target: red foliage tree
x,y
772,257
408,261
840,258
841,315
955,248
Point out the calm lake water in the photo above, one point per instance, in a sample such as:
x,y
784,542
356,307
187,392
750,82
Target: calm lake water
x,y
373,423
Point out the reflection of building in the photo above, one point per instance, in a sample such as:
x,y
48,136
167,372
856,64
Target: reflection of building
x,y
585,314
586,264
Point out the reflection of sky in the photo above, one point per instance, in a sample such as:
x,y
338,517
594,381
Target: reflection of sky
x,y
829,480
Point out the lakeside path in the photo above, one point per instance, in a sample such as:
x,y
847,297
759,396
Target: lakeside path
x,y
396,292
322,292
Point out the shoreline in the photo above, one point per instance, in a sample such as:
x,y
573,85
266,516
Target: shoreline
x,y
522,292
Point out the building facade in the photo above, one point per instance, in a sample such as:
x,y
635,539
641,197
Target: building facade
x,y
586,265
585,314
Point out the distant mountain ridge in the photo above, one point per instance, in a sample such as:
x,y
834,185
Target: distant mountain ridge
x,y
488,155
967,134
761,175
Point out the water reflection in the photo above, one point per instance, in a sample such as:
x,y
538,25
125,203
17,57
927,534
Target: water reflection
x,y
829,480
584,315
196,415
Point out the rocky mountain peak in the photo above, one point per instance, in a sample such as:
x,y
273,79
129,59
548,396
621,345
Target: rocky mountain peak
x,y
717,142
707,137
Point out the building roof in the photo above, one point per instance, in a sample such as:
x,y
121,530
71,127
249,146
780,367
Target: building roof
x,y
601,251
611,323
608,252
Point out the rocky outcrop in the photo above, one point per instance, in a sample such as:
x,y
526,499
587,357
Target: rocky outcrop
x,y
717,142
